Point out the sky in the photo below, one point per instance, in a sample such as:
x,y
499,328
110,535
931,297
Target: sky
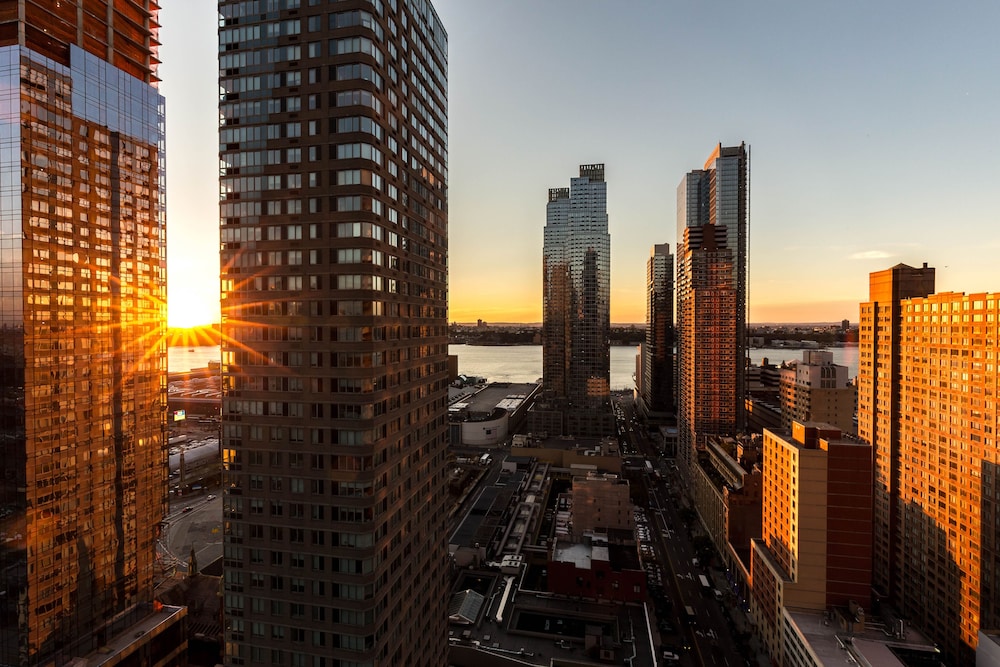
x,y
873,133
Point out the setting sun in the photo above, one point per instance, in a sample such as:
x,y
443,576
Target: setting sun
x,y
187,314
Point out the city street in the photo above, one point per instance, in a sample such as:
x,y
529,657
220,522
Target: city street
x,y
194,521
709,631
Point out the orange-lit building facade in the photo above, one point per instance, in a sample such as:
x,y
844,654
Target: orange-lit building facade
x,y
814,389
815,546
711,299
82,324
927,402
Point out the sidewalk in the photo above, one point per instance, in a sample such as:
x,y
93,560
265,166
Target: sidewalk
x,y
741,623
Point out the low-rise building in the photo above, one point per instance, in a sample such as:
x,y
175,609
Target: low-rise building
x,y
595,568
488,416
817,390
815,549
598,454
600,501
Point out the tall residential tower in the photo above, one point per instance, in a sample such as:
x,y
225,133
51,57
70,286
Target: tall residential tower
x,y
576,284
82,333
334,231
927,403
711,298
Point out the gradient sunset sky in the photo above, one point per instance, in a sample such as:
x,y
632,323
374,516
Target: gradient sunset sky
x,y
873,130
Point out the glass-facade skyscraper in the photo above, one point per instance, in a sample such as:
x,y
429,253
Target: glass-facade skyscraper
x,y
576,284
711,298
334,234
82,332
657,390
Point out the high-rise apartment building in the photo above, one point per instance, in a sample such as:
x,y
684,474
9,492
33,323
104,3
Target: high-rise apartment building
x,y
576,284
657,389
333,149
815,546
814,389
711,298
82,334
927,402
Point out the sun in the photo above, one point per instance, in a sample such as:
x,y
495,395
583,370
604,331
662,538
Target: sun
x,y
186,313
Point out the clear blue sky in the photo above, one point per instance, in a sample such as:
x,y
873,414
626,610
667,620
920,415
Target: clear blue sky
x,y
872,126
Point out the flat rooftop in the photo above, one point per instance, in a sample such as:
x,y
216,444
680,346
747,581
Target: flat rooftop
x,y
574,442
507,395
871,646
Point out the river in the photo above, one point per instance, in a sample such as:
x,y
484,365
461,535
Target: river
x,y
523,363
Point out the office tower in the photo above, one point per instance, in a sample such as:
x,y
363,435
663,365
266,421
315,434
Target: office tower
x,y
817,390
927,390
576,284
82,333
711,298
333,146
815,546
658,352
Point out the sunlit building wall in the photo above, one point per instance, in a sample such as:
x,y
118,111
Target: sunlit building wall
x,y
816,389
927,402
334,232
82,324
815,546
711,299
576,284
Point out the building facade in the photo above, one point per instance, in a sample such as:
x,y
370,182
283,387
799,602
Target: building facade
x,y
334,235
576,284
816,524
927,402
657,374
711,299
601,502
82,329
817,390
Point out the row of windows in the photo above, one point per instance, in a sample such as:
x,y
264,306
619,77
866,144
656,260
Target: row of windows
x,y
294,308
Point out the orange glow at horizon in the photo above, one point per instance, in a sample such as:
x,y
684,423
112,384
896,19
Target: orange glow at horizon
x,y
185,312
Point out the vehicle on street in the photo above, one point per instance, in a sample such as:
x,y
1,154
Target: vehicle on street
x,y
689,615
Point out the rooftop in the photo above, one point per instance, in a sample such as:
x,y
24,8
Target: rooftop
x,y
506,395
880,644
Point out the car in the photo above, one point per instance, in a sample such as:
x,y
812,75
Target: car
x,y
211,496
186,510
670,656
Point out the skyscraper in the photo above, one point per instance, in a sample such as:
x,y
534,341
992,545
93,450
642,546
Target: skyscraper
x,y
711,298
658,352
576,284
334,234
82,331
927,390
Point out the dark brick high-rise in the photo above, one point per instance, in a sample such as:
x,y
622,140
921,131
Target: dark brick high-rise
x,y
334,235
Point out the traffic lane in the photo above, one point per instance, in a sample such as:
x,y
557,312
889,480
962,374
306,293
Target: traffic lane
x,y
194,523
673,561
686,578
713,626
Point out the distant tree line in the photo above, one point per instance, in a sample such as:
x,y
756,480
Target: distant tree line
x,y
632,334
531,335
